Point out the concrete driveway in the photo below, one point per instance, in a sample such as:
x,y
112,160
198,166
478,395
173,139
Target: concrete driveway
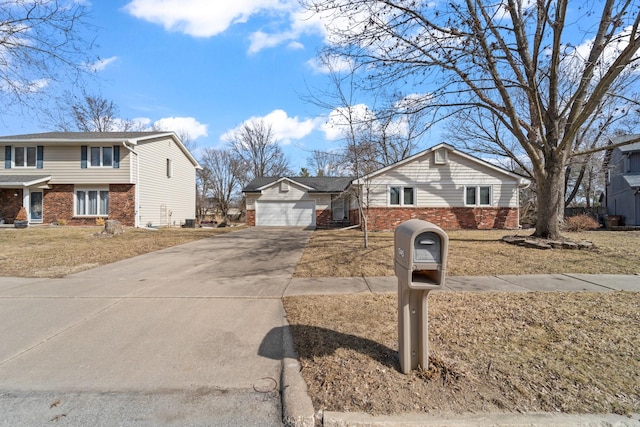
x,y
171,337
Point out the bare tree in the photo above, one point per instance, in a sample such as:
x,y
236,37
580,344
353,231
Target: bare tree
x,y
184,135
515,61
88,113
219,178
324,163
259,155
41,42
372,138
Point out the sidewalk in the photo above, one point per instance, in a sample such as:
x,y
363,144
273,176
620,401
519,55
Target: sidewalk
x,y
298,410
506,283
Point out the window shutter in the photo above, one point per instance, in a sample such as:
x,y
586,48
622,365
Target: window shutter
x,y
7,157
39,157
83,156
116,156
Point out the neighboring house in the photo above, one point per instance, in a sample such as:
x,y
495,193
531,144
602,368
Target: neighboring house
x,y
442,185
139,178
299,202
623,183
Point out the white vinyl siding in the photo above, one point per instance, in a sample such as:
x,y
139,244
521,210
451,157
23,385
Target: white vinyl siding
x,y
443,185
165,200
62,162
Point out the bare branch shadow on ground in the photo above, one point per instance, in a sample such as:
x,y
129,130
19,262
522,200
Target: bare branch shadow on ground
x,y
313,341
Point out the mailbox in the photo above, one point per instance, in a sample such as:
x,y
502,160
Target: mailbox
x,y
421,254
420,259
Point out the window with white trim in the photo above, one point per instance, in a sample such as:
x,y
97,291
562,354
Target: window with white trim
x,y
479,195
91,202
440,156
401,196
101,157
24,157
169,168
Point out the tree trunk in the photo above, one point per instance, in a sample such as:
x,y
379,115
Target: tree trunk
x,y
550,201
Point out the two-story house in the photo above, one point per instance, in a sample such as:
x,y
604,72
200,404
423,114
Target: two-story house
x,y
139,178
623,183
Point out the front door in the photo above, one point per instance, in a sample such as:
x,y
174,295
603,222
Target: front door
x,y
340,209
35,207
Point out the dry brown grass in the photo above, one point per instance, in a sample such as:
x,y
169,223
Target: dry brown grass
x,y
490,352
57,251
471,253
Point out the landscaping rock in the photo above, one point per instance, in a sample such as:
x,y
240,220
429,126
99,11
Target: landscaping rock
x,y
536,243
113,227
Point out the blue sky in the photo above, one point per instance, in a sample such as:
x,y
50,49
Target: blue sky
x,y
204,67
207,66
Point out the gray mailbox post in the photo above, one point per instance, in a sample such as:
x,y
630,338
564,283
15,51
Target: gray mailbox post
x,y
420,263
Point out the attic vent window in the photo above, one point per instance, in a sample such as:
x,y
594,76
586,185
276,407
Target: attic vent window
x,y
440,156
284,186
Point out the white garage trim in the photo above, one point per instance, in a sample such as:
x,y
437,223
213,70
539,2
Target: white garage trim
x,y
301,213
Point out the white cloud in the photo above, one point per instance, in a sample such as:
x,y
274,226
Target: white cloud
x,y
338,123
183,126
101,64
207,18
301,23
285,128
335,63
203,18
32,86
574,63
294,45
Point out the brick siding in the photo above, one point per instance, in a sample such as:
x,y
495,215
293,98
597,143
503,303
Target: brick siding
x,y
10,204
323,218
251,218
447,218
58,205
381,219
122,203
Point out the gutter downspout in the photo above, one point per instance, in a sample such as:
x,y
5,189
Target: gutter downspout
x,y
125,144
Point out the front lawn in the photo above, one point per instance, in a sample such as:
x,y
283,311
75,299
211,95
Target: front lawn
x,y
333,253
46,251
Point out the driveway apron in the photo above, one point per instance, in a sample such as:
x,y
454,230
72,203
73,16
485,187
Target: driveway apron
x,y
175,337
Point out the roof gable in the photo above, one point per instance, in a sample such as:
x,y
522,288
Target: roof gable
x,y
522,181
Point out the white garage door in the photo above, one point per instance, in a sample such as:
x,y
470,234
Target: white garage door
x,y
279,214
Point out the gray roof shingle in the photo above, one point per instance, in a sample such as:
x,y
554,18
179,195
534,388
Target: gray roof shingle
x,y
319,184
78,136
21,179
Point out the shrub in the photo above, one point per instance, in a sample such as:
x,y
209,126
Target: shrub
x,y
581,223
62,222
22,214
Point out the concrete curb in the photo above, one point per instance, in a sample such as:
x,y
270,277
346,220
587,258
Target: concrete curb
x,y
297,409
340,419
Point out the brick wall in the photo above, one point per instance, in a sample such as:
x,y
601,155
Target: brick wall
x,y
122,203
251,218
323,218
447,218
58,204
10,204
